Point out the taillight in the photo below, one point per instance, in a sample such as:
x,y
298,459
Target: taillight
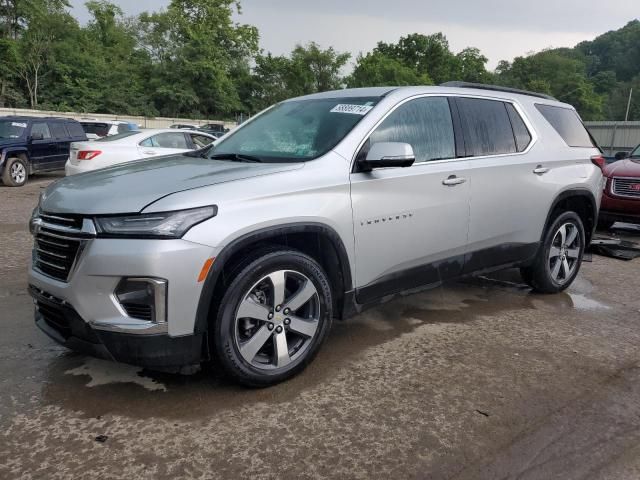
x,y
599,161
88,154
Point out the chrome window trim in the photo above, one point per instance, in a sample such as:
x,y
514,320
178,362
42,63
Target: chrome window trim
x,y
518,108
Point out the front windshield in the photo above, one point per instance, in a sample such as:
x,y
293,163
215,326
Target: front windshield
x,y
636,152
12,128
298,130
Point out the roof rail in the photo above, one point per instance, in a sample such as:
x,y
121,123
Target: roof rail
x,y
496,88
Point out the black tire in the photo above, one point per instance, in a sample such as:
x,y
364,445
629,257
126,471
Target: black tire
x,y
540,275
605,224
10,176
224,332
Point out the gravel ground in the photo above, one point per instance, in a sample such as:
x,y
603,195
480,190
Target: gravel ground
x,y
476,380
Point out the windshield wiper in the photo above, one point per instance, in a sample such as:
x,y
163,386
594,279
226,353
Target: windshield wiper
x,y
236,157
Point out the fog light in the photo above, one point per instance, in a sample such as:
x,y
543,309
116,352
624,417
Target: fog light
x,y
143,298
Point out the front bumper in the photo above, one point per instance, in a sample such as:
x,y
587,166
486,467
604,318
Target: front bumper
x,y
620,209
62,323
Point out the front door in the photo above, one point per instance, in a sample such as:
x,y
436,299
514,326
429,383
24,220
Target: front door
x,y
411,224
42,147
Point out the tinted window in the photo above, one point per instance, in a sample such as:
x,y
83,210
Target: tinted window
x,y
425,124
41,128
99,129
167,140
201,141
57,130
567,123
520,130
487,128
75,129
123,127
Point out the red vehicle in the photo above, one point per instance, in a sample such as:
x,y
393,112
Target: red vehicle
x,y
621,199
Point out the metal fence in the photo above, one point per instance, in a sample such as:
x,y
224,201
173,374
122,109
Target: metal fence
x,y
615,137
143,122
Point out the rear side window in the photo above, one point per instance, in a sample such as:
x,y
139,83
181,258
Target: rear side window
x,y
123,127
57,130
42,129
75,129
167,140
567,123
425,124
487,128
520,130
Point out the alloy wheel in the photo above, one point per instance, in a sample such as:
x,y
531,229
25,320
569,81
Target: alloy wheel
x,y
18,173
564,254
277,319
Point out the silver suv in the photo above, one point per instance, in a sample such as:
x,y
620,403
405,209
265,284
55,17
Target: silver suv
x,y
244,252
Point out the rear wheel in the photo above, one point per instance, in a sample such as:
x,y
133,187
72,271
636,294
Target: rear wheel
x,y
559,257
273,318
15,172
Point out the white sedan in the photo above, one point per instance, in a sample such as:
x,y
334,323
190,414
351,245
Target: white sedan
x,y
124,147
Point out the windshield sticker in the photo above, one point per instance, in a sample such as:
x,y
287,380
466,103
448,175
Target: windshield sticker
x,y
16,124
353,109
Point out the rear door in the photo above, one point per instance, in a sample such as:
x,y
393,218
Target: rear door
x,y
164,143
410,224
41,150
506,197
60,136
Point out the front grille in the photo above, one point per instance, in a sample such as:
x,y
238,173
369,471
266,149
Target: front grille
x,y
626,187
58,242
139,311
52,311
69,221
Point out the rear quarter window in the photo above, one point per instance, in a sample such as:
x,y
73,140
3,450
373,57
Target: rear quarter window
x,y
566,122
75,130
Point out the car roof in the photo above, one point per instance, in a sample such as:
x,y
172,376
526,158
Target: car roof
x,y
30,118
405,92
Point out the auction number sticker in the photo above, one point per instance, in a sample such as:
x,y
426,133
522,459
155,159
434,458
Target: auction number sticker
x,y
16,124
353,109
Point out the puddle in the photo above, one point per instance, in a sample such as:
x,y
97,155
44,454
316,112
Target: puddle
x,y
103,372
582,302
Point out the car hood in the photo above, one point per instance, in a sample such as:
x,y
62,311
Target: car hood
x,y
7,142
629,167
130,187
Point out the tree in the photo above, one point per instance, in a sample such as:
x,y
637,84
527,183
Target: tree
x,y
317,70
376,69
33,51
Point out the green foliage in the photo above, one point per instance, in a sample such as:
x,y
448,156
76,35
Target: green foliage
x,y
194,60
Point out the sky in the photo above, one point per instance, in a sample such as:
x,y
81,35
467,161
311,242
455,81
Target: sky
x,y
501,29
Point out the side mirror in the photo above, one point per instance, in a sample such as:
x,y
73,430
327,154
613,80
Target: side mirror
x,y
36,136
388,154
621,155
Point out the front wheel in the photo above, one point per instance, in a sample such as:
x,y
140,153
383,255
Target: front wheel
x,y
15,172
273,318
559,257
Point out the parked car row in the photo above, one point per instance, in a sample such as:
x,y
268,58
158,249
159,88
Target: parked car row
x,y
30,145
216,129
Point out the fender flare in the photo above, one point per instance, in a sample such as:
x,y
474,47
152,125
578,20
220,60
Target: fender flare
x,y
202,312
7,152
573,192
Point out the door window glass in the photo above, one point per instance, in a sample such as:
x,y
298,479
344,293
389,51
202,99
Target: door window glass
x,y
167,140
201,141
42,129
57,130
425,124
487,128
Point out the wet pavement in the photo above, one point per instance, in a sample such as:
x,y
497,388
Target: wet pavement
x,y
476,380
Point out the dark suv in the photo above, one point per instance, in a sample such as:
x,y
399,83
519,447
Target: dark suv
x,y
35,144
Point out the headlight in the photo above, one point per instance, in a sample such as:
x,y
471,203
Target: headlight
x,y
160,225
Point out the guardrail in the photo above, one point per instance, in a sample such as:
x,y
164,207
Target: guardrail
x,y
143,122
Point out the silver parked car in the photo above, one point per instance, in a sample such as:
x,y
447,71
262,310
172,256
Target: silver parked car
x,y
245,251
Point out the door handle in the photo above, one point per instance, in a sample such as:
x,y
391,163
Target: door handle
x,y
149,152
452,181
540,170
